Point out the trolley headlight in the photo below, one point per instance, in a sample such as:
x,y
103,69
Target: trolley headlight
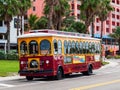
x,y
23,62
47,61
33,64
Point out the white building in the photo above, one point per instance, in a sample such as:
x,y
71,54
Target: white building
x,y
13,34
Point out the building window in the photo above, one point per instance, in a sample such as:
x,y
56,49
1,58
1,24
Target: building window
x,y
117,1
1,37
107,22
113,15
34,8
113,1
97,28
118,10
118,17
72,14
118,23
113,23
107,30
97,20
1,23
78,16
72,6
113,30
78,7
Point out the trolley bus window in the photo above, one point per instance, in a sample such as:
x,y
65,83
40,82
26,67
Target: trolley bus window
x,y
84,48
69,47
59,47
65,47
45,47
33,47
87,49
73,48
23,47
55,47
99,48
81,50
77,47
93,47
90,49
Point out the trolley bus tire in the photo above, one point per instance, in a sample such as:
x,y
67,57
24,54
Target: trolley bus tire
x,y
89,71
59,75
29,78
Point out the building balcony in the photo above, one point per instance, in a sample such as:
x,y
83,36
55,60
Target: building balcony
x,y
3,29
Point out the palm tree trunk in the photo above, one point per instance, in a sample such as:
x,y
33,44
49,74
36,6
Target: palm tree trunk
x,y
8,37
21,29
119,46
101,40
101,30
17,25
92,29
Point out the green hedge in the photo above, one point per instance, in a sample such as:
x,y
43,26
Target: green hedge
x,y
10,56
116,57
2,55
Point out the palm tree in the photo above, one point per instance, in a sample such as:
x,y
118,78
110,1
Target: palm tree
x,y
41,23
116,35
8,9
89,9
32,22
105,9
55,10
24,6
79,27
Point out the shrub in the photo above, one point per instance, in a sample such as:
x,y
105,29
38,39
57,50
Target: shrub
x,y
117,57
109,57
2,55
12,56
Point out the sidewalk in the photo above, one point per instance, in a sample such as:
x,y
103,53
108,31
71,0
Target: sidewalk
x,y
111,64
11,78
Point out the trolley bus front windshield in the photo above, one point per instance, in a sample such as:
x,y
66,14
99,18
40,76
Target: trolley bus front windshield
x,y
33,47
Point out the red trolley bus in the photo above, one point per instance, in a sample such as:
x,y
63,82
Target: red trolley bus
x,y
44,53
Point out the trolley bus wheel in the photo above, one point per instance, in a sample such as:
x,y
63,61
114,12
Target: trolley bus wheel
x,y
29,78
89,71
59,74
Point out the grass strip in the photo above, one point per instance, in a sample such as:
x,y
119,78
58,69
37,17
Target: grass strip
x,y
8,67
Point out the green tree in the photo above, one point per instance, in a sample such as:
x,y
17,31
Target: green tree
x,y
55,10
32,22
105,9
89,10
79,27
116,35
41,23
8,9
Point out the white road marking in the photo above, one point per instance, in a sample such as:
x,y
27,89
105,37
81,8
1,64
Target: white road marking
x,y
6,85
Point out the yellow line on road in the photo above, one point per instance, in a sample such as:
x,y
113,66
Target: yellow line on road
x,y
96,85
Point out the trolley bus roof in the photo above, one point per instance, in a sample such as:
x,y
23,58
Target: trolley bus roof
x,y
49,34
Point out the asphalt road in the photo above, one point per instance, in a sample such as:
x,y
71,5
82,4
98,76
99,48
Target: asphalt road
x,y
106,78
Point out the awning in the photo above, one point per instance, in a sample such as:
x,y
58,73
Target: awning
x,y
104,36
97,35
